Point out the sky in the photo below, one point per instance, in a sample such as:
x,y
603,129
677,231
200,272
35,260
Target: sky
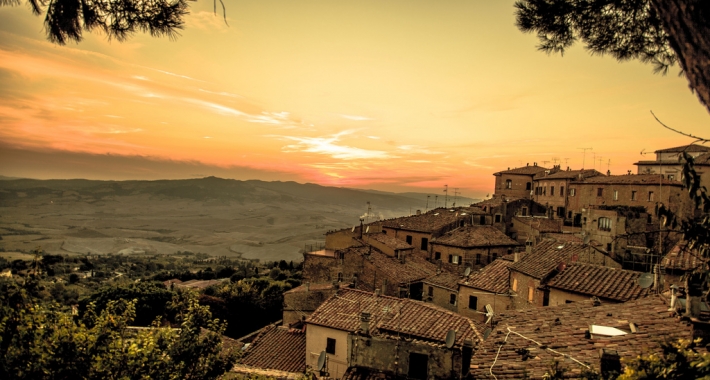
x,y
402,95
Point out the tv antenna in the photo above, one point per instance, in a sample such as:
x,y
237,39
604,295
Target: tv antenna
x,y
446,196
600,162
584,155
369,210
456,195
436,201
427,204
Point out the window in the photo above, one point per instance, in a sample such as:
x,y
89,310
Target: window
x,y
616,195
552,190
473,302
544,190
418,366
409,239
455,259
430,291
562,191
600,191
671,177
561,212
633,195
604,224
608,247
568,301
525,211
497,218
478,258
508,184
515,284
572,192
531,294
650,196
569,214
483,220
437,255
425,244
528,185
330,346
495,256
452,298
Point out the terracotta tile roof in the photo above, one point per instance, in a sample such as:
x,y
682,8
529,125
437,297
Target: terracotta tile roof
x,y
311,287
388,241
546,256
475,236
568,174
431,221
363,373
541,224
703,159
686,148
495,201
444,280
279,348
526,170
561,236
604,282
680,258
629,179
414,269
494,277
563,328
390,315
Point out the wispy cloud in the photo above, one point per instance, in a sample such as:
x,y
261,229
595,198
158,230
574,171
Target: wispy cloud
x,y
328,145
355,117
417,149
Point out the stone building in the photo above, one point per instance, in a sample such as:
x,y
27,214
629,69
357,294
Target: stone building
x,y
302,301
501,210
442,290
473,246
668,161
517,182
580,281
552,189
487,286
400,337
529,275
277,352
419,230
529,230
636,190
678,262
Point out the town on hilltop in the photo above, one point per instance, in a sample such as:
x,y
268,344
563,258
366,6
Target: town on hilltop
x,y
567,270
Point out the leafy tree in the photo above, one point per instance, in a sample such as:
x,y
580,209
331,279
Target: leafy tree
x,y
66,20
678,360
151,300
39,341
661,32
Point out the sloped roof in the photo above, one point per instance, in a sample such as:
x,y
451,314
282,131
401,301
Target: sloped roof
x,y
568,174
494,277
444,280
475,236
388,240
686,148
680,258
431,221
563,328
391,315
541,224
546,256
414,268
629,179
279,348
364,373
604,282
496,201
525,170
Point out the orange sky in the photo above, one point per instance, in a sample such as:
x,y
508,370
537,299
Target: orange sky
x,y
398,95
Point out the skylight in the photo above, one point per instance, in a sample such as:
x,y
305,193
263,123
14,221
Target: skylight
x,y
606,330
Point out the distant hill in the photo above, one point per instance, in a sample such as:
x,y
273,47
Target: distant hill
x,y
213,188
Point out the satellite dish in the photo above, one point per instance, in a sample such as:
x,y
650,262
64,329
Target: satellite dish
x,y
586,239
645,280
367,230
353,230
489,313
321,361
467,271
450,338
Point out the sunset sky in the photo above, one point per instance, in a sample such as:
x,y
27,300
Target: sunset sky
x,y
397,95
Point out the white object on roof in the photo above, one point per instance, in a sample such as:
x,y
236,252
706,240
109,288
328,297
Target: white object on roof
x,y
606,330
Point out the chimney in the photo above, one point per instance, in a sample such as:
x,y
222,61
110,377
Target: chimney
x,y
516,256
365,322
377,292
308,286
608,172
419,212
528,248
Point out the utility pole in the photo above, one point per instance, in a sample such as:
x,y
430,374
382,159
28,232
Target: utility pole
x,y
584,155
446,196
436,201
427,204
